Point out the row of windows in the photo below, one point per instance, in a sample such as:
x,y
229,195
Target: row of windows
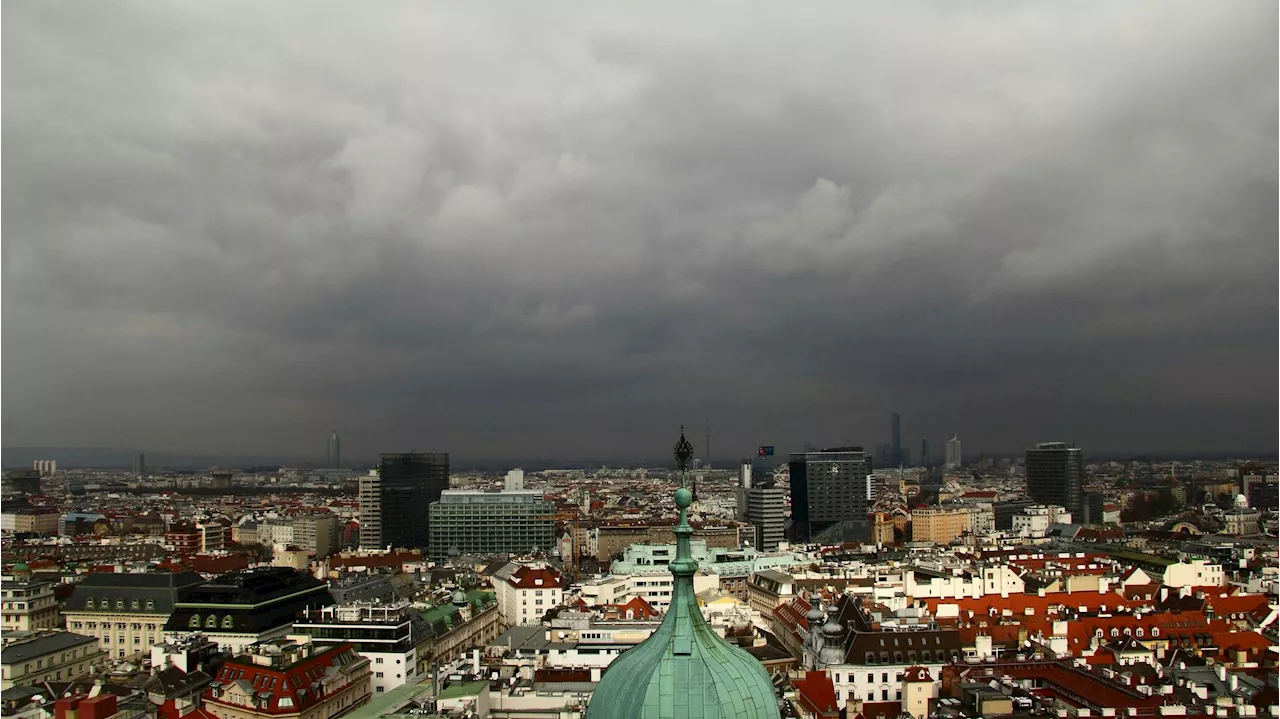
x,y
106,604
911,656
210,622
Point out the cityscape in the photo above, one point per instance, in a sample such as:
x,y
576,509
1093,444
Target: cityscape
x,y
821,582
415,360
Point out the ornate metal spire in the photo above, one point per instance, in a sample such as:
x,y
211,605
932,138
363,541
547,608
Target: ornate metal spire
x,y
684,452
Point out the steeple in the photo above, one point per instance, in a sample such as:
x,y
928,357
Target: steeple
x,y
684,669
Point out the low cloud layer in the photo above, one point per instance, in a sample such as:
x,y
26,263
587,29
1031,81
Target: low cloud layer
x,y
564,229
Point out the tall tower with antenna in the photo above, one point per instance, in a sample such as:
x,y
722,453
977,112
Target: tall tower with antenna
x,y
335,451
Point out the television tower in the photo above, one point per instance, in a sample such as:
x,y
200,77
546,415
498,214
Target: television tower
x,y
335,451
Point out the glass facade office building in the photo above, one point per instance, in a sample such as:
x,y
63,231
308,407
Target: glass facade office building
x,y
486,523
831,495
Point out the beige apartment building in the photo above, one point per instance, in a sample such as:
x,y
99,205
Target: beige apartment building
x,y
47,656
939,525
27,606
126,613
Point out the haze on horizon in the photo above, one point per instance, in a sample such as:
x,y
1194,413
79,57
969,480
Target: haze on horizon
x,y
563,229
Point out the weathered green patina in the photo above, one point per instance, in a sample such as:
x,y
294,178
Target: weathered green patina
x,y
684,669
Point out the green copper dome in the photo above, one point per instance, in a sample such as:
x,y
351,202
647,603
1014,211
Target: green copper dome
x,y
684,669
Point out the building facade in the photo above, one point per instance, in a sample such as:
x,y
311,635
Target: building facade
x,y
28,605
762,506
831,494
940,525
317,533
246,607
385,634
392,503
47,656
487,523
526,593
127,613
1055,475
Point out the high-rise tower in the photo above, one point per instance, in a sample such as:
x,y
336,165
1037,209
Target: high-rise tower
x,y
399,497
895,439
335,451
1055,475
831,493
954,458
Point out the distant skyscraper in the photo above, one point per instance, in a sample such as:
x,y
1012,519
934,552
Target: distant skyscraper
x,y
335,451
395,504
924,453
895,440
831,492
1055,475
140,465
954,457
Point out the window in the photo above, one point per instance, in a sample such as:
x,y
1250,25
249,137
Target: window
x,y
871,677
211,622
194,622
884,677
1155,631
380,690
119,604
378,674
377,660
228,622
133,604
884,695
88,603
151,604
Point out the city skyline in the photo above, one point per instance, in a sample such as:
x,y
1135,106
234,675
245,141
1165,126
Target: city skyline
x,y
1048,223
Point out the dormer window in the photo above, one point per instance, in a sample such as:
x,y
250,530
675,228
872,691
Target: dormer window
x,y
1155,631
194,622
119,604
134,604
228,622
151,604
88,603
211,622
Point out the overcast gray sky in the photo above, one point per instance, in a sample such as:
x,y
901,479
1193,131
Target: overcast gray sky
x,y
507,229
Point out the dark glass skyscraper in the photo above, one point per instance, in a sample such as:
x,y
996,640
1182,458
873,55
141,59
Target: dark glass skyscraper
x,y
407,485
1055,475
831,494
895,442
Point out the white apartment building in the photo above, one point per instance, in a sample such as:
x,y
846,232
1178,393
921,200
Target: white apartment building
x,y
527,592
1195,573
385,634
1035,521
654,588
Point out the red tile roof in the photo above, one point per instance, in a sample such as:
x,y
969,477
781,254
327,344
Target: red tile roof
x,y
917,674
817,692
293,682
535,578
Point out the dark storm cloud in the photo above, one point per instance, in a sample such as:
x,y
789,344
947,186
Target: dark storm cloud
x,y
504,230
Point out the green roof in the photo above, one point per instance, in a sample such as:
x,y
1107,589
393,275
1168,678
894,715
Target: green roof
x,y
389,702
458,690
684,669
